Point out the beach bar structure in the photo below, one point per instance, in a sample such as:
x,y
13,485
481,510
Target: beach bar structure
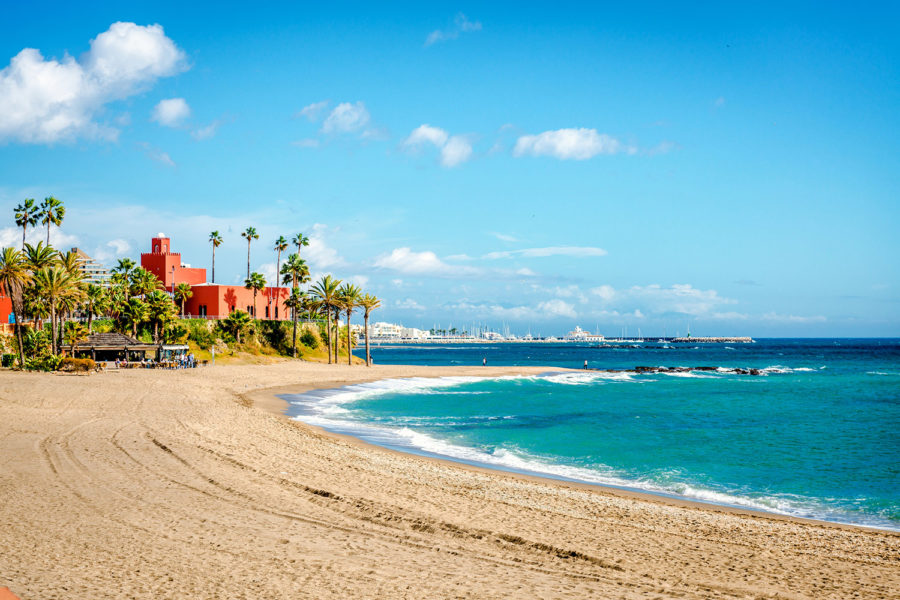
x,y
113,346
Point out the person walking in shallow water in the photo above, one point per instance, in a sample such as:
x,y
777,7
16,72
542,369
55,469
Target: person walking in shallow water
x,y
585,364
484,361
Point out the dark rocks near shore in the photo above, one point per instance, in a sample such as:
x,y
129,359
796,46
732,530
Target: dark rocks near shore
x,y
643,370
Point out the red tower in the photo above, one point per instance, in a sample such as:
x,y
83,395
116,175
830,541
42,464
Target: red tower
x,y
167,265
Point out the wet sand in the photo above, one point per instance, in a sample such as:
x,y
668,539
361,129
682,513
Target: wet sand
x,y
189,484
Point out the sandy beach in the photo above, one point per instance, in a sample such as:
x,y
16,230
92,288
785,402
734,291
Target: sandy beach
x,y
190,484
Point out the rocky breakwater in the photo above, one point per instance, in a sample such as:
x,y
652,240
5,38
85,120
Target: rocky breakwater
x,y
713,340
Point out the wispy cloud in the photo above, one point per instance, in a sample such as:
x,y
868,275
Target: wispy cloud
x,y
346,118
461,24
155,154
573,251
570,144
313,112
46,101
504,237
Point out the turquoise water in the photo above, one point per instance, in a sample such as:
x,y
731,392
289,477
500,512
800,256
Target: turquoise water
x,y
815,435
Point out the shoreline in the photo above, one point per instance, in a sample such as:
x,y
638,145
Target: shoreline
x,y
270,400
193,484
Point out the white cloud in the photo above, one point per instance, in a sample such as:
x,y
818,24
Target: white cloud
x,y
404,260
573,251
346,118
570,144
46,101
111,250
360,280
171,112
461,24
655,299
409,304
319,254
454,150
314,111
557,308
12,237
526,272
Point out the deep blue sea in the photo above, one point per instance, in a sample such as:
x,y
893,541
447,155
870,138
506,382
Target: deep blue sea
x,y
816,435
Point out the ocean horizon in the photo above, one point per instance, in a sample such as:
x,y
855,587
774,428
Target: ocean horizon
x,y
812,435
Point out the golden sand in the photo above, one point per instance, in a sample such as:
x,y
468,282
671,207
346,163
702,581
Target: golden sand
x,y
188,484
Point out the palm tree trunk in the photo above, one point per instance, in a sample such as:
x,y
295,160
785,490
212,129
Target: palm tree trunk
x,y
90,321
349,341
337,335
52,327
366,319
24,227
248,258
254,304
328,329
182,308
214,264
14,297
48,232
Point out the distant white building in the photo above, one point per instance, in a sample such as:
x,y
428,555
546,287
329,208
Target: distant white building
x,y
580,335
393,331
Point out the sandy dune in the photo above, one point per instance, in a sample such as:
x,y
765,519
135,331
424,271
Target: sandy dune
x,y
146,484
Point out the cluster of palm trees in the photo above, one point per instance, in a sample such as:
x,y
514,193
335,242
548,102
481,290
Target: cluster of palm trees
x,y
48,285
329,297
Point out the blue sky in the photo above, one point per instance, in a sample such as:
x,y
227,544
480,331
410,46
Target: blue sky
x,y
650,166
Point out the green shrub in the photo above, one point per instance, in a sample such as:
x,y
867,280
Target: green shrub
x,y
200,334
77,365
309,338
49,362
7,360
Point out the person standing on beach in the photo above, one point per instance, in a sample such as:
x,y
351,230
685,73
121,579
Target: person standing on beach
x,y
585,364
484,361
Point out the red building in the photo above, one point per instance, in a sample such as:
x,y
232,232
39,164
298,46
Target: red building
x,y
211,300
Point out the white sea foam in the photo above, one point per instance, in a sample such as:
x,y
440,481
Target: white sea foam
x,y
687,375
585,377
410,440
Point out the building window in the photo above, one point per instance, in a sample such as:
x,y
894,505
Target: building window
x,y
156,249
276,311
267,312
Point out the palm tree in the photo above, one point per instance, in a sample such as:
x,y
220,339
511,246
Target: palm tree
x,y
300,240
325,293
95,302
52,212
143,282
182,293
216,240
280,246
39,256
26,214
70,261
14,276
124,266
237,322
295,302
75,332
349,294
132,313
257,283
250,235
369,303
52,283
160,311
294,272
